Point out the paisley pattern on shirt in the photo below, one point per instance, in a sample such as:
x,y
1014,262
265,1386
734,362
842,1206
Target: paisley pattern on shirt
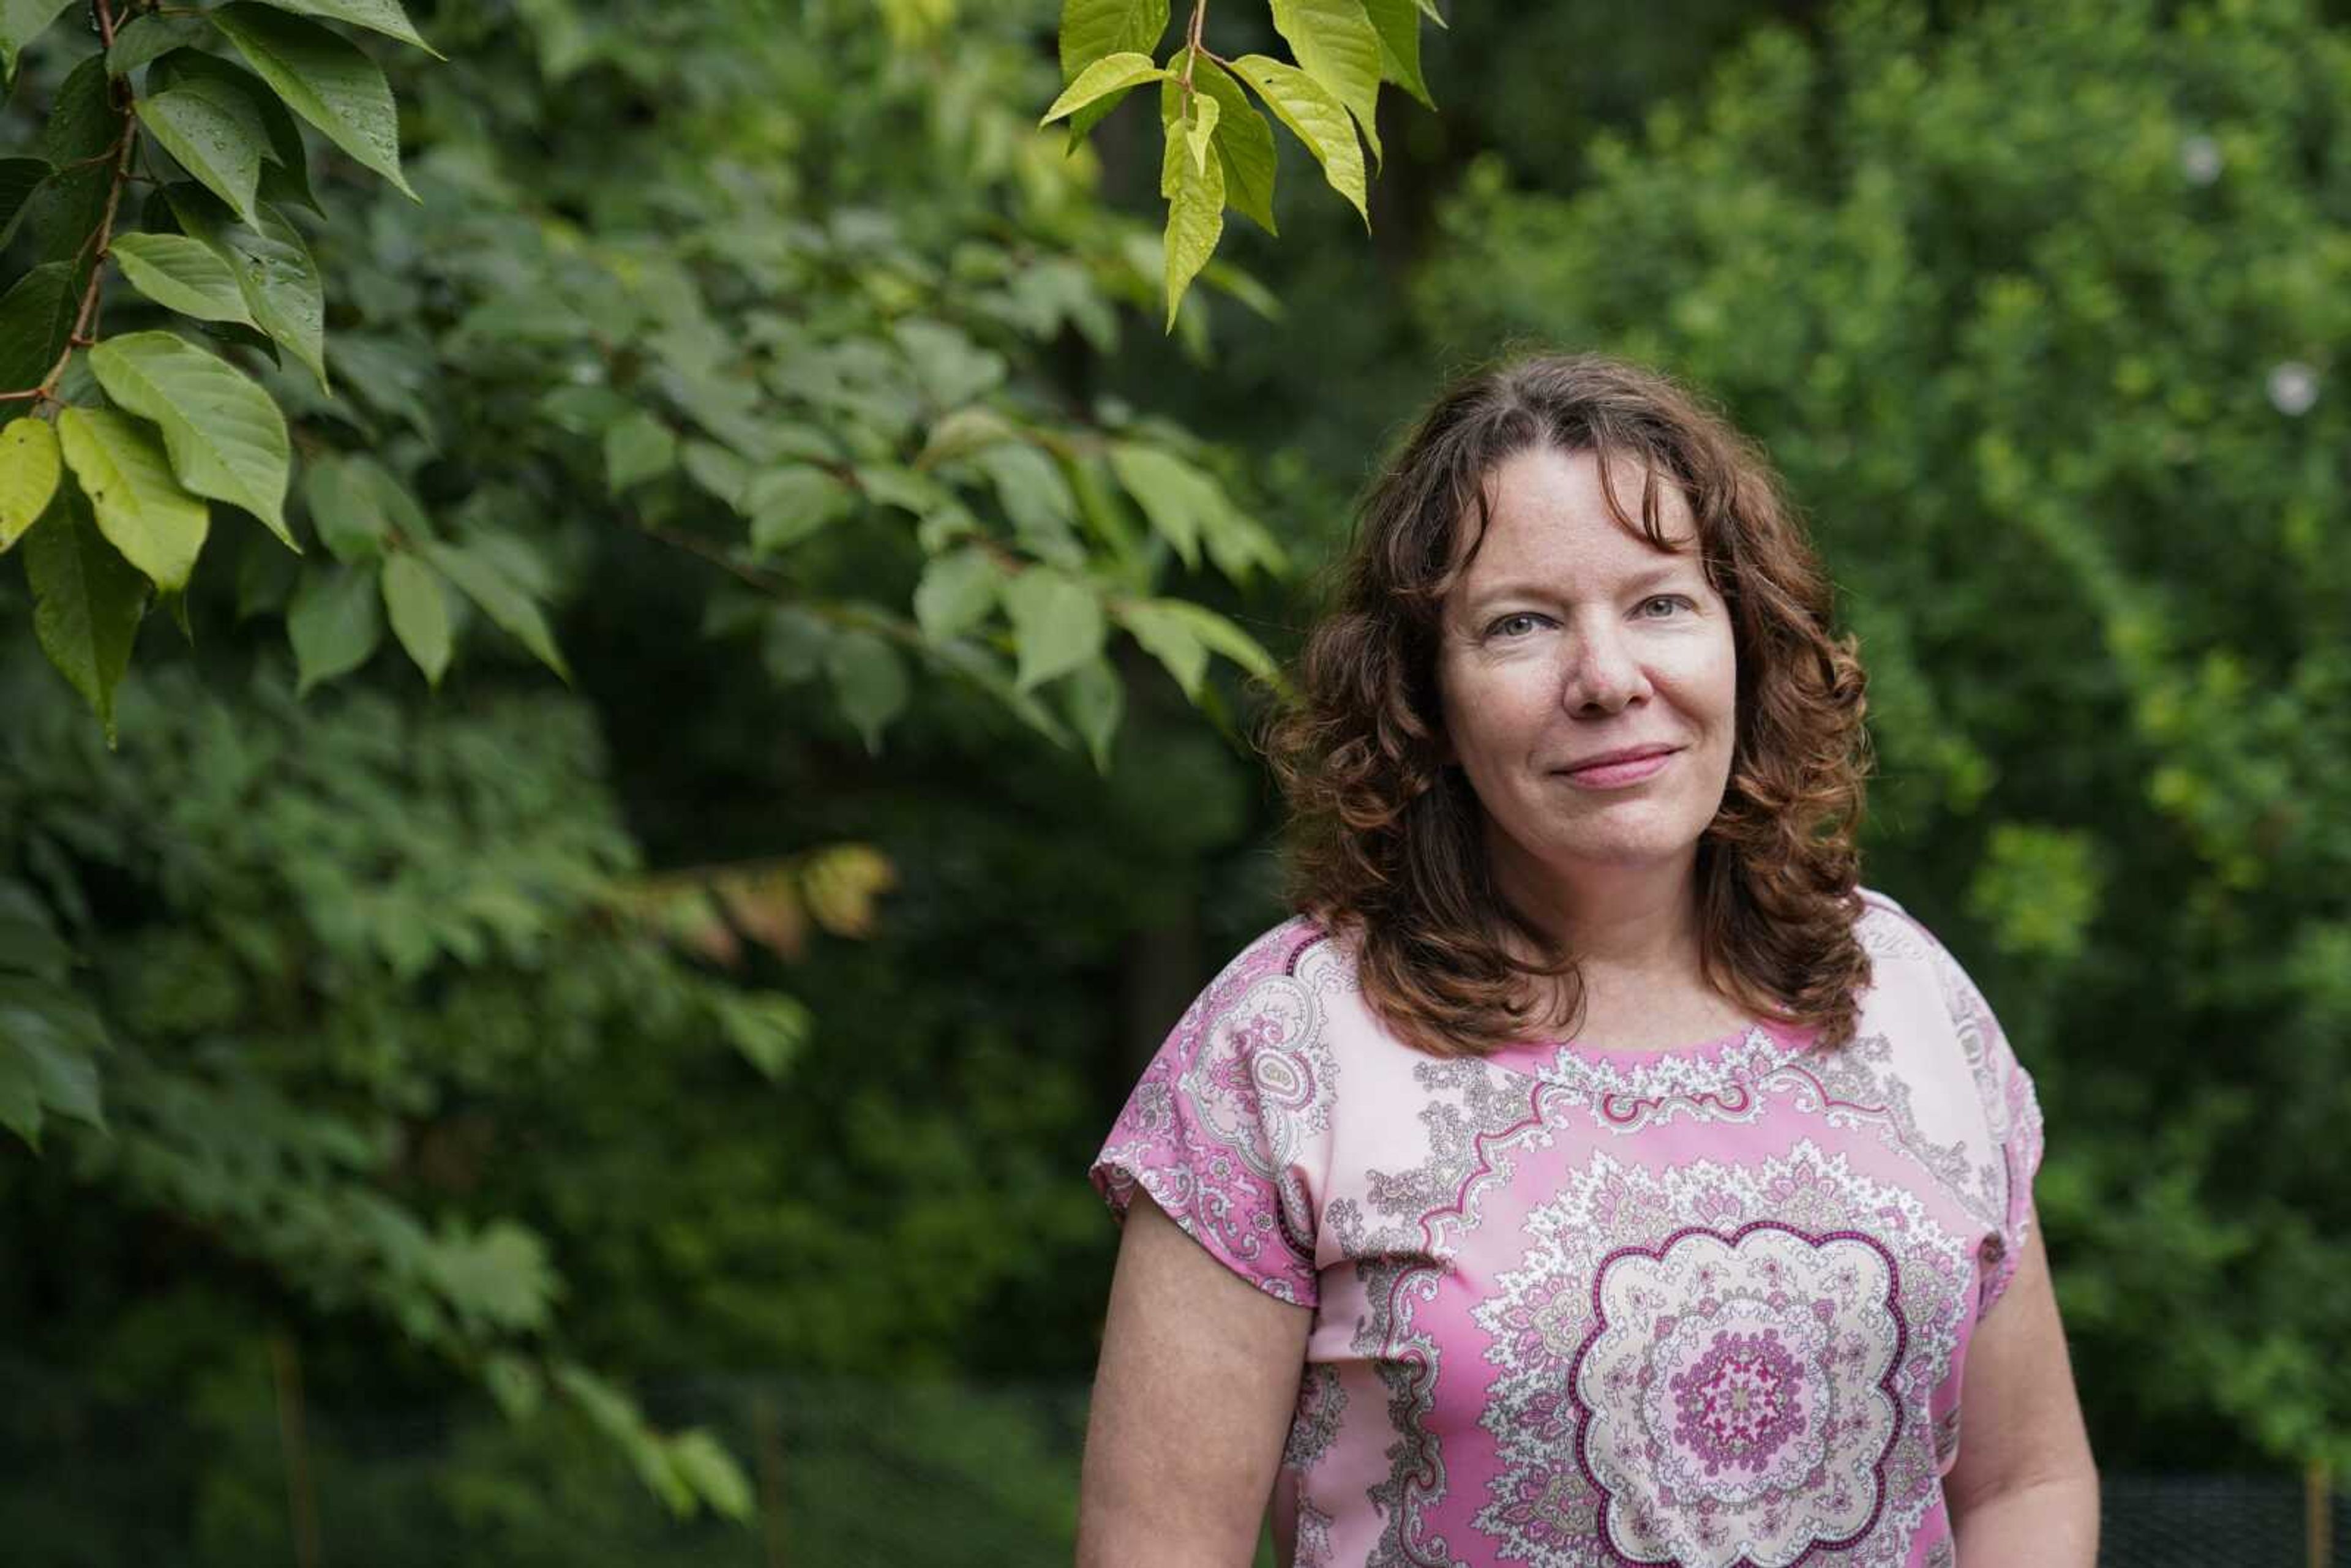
x,y
1707,1305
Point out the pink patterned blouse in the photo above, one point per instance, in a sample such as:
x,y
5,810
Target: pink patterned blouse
x,y
1705,1306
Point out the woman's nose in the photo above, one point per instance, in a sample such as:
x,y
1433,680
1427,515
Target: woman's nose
x,y
1602,674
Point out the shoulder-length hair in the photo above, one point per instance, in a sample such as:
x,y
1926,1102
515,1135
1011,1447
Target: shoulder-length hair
x,y
1386,842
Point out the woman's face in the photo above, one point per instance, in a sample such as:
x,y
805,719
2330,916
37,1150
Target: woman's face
x,y
1572,637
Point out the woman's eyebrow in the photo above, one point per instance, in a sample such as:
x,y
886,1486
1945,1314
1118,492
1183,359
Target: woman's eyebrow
x,y
1673,571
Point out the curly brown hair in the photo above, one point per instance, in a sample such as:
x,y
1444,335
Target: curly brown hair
x,y
1386,842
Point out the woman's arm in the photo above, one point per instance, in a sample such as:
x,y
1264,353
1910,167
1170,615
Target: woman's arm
x,y
2025,1490
1192,1399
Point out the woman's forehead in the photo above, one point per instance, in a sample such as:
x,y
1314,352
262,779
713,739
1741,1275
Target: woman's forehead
x,y
1546,509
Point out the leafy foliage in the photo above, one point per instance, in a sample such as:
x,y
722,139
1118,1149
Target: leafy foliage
x,y
812,355
1218,148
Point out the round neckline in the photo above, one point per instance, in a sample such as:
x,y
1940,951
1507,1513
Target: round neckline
x,y
1542,1057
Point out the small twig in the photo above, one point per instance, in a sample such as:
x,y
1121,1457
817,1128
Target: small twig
x,y
83,333
1192,41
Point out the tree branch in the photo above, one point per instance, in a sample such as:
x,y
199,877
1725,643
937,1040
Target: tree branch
x,y
101,239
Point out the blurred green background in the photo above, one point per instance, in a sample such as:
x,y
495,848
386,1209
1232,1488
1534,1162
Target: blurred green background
x,y
441,1192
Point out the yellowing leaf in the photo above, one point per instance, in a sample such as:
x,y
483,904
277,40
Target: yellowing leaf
x,y
1315,117
140,507
1337,46
30,469
1196,213
1397,22
1093,28
1244,141
1111,73
1200,129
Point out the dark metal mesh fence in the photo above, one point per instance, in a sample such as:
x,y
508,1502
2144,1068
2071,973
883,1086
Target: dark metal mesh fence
x,y
2218,1521
847,1473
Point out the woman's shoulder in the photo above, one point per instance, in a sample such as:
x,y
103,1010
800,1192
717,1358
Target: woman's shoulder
x,y
1297,950
1888,931
1916,983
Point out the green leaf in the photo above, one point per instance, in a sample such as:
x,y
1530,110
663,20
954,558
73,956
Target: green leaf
x,y
1200,129
1397,22
227,438
385,16
1057,623
36,318
1095,699
159,528
1315,117
1092,29
266,578
83,126
333,624
1161,625
287,178
215,134
792,643
419,608
29,943
504,603
272,266
19,178
1335,44
768,1028
869,681
346,508
1111,73
184,274
29,471
22,21
1244,140
717,469
48,1040
86,602
1196,213
1035,496
1170,639
637,448
1178,499
498,1276
957,592
149,37
710,1472
792,503
324,78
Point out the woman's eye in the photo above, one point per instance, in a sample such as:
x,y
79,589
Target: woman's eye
x,y
1508,624
1666,599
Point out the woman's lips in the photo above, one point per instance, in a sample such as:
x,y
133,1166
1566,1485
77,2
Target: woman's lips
x,y
1616,774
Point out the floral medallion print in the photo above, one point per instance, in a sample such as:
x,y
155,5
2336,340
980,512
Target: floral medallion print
x,y
1722,1366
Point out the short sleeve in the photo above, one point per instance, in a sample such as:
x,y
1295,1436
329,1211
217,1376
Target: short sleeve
x,y
2012,1112
1227,1127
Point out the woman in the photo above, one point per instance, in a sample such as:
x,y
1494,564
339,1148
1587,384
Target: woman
x,y
1592,1172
